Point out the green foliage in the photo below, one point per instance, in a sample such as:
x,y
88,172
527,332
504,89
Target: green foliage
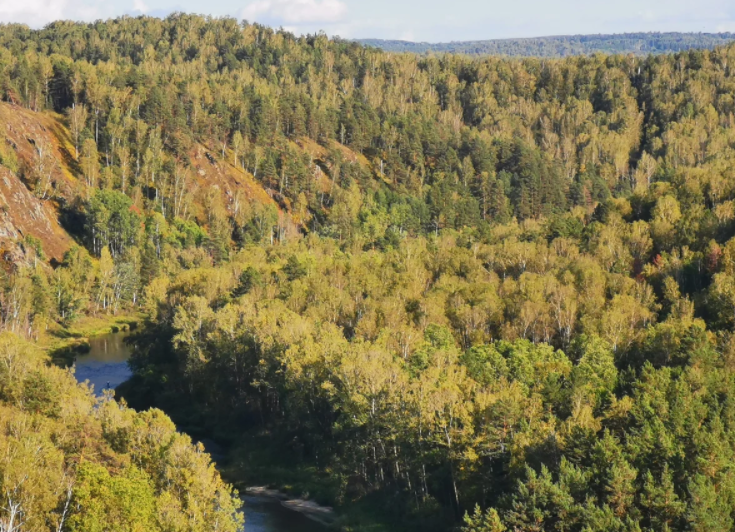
x,y
483,522
190,234
8,158
321,350
596,367
111,222
433,282
126,499
485,364
70,461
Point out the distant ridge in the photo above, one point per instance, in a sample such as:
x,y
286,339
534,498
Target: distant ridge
x,y
564,45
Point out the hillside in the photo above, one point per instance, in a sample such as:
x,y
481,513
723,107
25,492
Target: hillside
x,y
33,150
564,45
41,179
75,464
436,292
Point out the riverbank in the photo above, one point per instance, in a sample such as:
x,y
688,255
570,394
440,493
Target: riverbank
x,y
324,515
103,363
262,461
257,456
65,343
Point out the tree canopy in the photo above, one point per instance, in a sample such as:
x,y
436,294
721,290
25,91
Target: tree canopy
x,y
479,290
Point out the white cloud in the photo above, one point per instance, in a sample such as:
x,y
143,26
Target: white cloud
x,y
37,13
32,12
140,6
295,12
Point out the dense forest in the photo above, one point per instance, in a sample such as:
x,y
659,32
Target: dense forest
x,y
564,45
72,463
480,293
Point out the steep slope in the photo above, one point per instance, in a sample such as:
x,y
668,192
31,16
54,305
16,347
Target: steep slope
x,y
39,176
33,151
238,187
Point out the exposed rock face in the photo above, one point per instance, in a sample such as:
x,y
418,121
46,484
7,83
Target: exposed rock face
x,y
22,214
34,140
32,136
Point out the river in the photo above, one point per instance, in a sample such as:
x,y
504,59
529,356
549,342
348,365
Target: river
x,y
106,363
106,366
267,515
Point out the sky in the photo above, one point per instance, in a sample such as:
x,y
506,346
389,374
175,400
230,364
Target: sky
x,y
414,20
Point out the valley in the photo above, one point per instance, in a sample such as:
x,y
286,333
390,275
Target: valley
x,y
433,292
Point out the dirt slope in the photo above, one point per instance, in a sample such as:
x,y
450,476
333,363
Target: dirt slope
x,y
27,210
23,133
237,185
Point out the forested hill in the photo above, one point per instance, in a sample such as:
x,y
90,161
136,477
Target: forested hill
x,y
411,286
564,45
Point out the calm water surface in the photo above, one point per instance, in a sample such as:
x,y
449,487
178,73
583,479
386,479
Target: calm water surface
x,y
106,364
267,515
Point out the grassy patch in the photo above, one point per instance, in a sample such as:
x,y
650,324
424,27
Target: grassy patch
x,y
64,343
